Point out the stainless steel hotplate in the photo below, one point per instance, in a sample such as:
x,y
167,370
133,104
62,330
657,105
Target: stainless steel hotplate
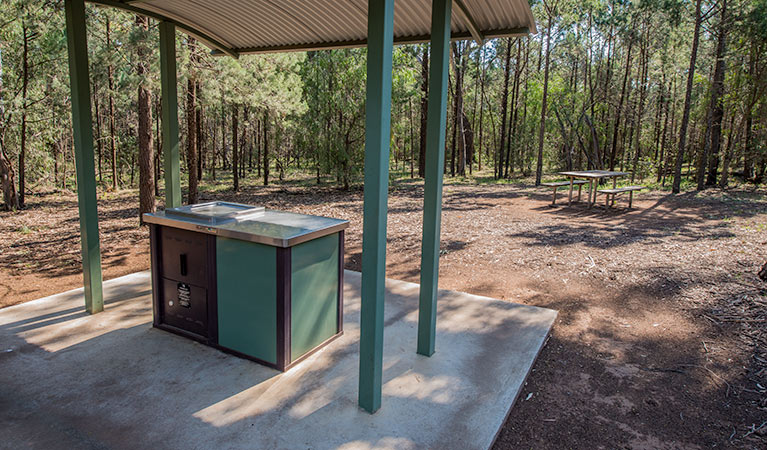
x,y
215,213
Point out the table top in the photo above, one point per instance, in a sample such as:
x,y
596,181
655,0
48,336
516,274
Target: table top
x,y
594,174
264,226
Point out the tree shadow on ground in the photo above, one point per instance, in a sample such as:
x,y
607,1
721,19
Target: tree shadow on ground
x,y
639,384
668,216
53,265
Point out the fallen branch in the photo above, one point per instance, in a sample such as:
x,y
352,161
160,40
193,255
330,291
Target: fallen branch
x,y
739,320
714,321
683,372
712,373
755,429
663,369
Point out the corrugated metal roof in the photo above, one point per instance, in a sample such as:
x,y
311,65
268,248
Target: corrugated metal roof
x,y
259,26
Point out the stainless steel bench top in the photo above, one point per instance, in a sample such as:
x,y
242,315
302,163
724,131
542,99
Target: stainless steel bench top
x,y
248,223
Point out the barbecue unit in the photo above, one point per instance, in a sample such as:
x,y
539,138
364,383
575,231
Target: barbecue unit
x,y
262,284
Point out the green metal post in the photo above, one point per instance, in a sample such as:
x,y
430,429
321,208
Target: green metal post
x,y
377,127
170,115
84,165
435,161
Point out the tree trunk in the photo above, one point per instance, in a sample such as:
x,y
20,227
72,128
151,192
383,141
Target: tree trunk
x,y
567,141
606,90
412,137
704,150
731,137
627,137
454,127
191,124
525,163
513,112
200,127
235,148
98,140
717,106
266,147
594,143
24,88
481,108
224,164
157,146
245,142
460,71
112,135
619,111
252,145
258,147
661,158
658,122
145,145
672,131
424,109
504,108
687,101
748,151
474,106
587,76
539,165
644,59
7,181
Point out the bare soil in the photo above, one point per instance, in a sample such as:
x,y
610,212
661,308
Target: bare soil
x,y
661,340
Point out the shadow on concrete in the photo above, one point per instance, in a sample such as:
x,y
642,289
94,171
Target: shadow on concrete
x,y
133,386
60,317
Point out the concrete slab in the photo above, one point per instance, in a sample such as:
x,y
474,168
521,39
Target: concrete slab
x,y
69,380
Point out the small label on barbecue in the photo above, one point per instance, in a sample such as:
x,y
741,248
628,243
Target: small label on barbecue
x,y
184,295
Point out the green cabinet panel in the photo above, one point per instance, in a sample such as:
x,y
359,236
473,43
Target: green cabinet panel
x,y
247,298
314,292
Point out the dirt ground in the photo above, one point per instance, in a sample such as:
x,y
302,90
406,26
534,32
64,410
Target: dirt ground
x,y
661,340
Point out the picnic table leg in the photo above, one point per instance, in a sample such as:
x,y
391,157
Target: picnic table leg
x,y
596,190
591,189
631,198
554,200
615,182
607,200
570,195
579,191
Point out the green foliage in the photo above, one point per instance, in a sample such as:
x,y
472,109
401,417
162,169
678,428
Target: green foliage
x,y
314,103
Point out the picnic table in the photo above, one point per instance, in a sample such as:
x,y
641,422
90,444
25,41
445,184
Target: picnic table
x,y
593,177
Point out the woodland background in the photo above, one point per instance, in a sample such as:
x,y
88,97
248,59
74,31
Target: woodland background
x,y
673,91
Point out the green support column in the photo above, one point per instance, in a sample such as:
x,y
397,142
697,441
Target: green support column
x,y
170,115
435,161
84,165
377,127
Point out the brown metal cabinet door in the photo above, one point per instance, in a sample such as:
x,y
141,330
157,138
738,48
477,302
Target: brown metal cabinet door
x,y
184,256
185,306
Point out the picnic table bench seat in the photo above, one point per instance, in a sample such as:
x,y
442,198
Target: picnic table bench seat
x,y
615,191
558,184
563,183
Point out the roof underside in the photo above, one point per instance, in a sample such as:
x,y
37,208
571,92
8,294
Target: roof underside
x,y
260,26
